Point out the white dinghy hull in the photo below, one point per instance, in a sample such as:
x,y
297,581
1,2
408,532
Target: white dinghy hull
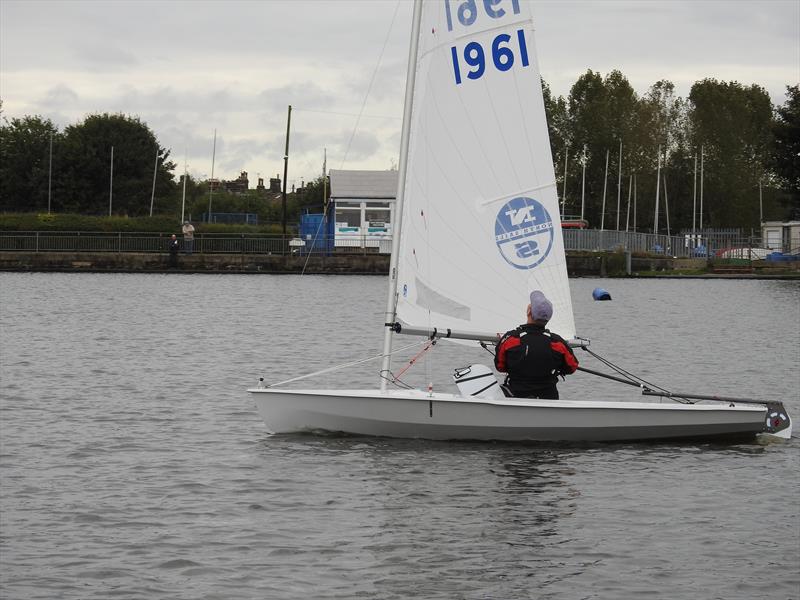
x,y
438,416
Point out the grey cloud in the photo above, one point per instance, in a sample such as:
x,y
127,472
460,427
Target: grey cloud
x,y
105,58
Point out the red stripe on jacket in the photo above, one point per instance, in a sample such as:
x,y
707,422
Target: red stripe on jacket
x,y
510,342
569,357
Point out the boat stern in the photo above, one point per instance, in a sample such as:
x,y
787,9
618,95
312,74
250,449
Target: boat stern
x,y
777,422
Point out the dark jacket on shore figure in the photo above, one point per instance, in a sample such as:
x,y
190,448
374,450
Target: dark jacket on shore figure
x,y
534,357
173,251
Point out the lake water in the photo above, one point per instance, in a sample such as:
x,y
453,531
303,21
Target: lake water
x,y
133,463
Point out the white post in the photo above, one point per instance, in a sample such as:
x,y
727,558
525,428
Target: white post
x,y
50,174
694,201
760,204
605,184
628,213
183,199
619,182
411,74
666,202
658,188
153,193
211,181
564,188
634,201
583,183
702,156
325,197
111,182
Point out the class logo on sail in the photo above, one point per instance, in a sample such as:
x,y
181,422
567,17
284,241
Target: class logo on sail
x,y
523,232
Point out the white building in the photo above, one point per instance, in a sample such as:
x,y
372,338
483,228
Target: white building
x,y
781,236
363,207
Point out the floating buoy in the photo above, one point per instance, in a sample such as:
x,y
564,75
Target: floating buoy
x,y
601,294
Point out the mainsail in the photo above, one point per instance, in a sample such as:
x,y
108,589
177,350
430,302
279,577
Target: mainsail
x,y
480,224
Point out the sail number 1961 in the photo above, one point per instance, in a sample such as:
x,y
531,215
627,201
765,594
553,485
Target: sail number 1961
x,y
502,56
504,49
467,10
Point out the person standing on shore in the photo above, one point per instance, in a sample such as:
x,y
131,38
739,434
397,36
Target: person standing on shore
x,y
188,238
173,251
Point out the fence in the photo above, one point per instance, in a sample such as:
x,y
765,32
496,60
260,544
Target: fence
x,y
207,243
204,243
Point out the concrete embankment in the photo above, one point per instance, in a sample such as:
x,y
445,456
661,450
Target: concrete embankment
x,y
135,262
584,264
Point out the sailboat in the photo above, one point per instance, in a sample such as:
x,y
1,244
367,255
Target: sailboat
x,y
476,230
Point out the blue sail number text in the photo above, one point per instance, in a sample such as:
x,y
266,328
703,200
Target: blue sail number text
x,y
503,56
467,11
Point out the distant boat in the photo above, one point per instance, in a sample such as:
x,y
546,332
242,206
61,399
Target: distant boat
x,y
477,228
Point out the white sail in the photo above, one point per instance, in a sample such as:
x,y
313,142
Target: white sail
x,y
480,225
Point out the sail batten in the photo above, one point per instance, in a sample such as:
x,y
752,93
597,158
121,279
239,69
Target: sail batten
x,y
481,225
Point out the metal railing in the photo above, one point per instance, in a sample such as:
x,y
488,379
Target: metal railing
x,y
204,243
219,243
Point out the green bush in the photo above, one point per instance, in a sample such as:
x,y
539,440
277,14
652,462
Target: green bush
x,y
154,224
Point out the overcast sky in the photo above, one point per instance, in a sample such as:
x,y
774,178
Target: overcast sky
x,y
188,68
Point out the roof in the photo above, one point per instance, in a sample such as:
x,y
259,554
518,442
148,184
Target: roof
x,y
369,185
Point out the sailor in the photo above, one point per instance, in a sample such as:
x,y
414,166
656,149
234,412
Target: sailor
x,y
532,356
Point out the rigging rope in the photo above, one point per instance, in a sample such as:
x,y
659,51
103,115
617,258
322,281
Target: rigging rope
x,y
635,379
630,378
371,81
395,379
344,365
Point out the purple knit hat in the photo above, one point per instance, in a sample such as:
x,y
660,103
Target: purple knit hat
x,y
541,308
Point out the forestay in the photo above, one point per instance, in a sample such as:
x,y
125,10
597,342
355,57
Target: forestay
x,y
480,226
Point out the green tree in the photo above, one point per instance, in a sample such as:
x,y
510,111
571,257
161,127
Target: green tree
x,y
786,156
85,176
733,124
601,113
558,128
25,163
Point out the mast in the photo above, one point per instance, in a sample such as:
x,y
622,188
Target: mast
x,y
619,181
111,182
153,192
50,175
702,156
666,202
583,183
285,174
211,181
183,198
401,188
694,202
605,184
658,189
628,214
564,188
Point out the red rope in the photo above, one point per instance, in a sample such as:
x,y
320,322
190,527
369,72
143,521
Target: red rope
x,y
411,362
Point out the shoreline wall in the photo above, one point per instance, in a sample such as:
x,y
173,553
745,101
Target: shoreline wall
x,y
578,264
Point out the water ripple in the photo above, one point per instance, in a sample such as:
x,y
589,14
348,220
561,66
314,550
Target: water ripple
x,y
133,465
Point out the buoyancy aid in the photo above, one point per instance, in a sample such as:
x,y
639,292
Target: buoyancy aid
x,y
533,356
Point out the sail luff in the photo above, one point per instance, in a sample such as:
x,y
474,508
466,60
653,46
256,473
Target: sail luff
x,y
401,184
